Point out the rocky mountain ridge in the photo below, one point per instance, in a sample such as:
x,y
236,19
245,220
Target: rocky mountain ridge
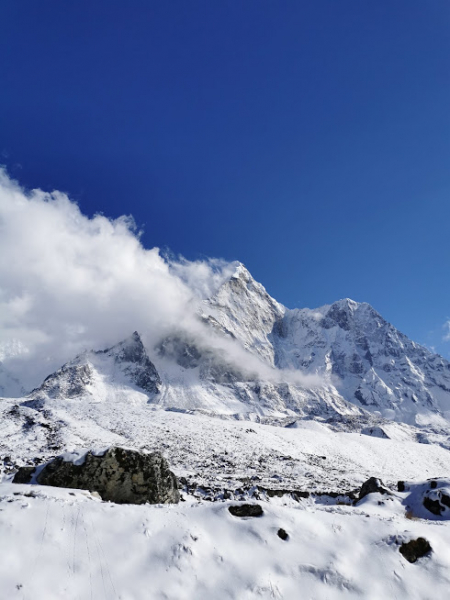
x,y
255,360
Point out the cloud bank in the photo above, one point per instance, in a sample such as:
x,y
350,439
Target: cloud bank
x,y
70,283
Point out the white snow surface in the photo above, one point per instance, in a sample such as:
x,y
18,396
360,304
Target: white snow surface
x,y
67,544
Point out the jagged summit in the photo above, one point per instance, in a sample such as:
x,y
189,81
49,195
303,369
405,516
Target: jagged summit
x,y
130,350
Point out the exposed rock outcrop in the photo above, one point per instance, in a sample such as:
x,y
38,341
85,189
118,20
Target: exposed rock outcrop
x,y
119,475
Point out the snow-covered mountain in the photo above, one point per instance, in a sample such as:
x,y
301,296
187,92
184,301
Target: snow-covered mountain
x,y
255,358
377,366
364,362
95,373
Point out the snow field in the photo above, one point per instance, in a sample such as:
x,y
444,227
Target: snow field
x,y
66,544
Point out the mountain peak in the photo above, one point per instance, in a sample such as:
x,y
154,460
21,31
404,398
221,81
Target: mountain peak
x,y
127,358
131,349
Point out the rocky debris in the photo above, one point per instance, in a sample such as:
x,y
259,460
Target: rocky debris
x,y
415,549
119,475
246,510
279,493
371,486
427,499
282,534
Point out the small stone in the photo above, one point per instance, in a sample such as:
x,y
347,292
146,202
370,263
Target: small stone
x,y
246,510
282,534
415,549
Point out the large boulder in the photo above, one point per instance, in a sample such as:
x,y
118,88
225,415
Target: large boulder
x,y
118,475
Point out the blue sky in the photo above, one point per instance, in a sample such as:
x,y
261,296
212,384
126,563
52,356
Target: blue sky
x,y
310,140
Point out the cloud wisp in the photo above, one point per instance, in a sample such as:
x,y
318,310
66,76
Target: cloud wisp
x,y
446,328
70,283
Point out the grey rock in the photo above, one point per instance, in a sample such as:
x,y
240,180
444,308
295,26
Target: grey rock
x,y
69,380
72,379
120,475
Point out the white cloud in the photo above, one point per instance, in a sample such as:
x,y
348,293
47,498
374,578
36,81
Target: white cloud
x,y
446,328
70,283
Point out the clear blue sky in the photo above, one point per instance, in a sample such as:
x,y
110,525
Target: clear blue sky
x,y
308,139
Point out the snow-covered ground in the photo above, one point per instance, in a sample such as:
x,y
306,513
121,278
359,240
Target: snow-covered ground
x,y
222,453
62,544
58,543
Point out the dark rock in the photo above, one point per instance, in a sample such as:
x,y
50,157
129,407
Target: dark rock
x,y
371,486
439,503
120,475
401,486
415,549
434,506
246,510
24,475
72,379
445,499
282,534
186,354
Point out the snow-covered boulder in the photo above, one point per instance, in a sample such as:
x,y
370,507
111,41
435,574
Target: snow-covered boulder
x,y
118,475
428,500
372,486
375,432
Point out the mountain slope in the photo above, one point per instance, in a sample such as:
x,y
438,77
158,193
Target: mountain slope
x,y
377,366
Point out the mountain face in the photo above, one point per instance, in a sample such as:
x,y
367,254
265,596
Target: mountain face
x,y
256,359
366,364
376,366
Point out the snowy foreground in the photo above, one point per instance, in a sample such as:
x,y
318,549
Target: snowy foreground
x,y
64,544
